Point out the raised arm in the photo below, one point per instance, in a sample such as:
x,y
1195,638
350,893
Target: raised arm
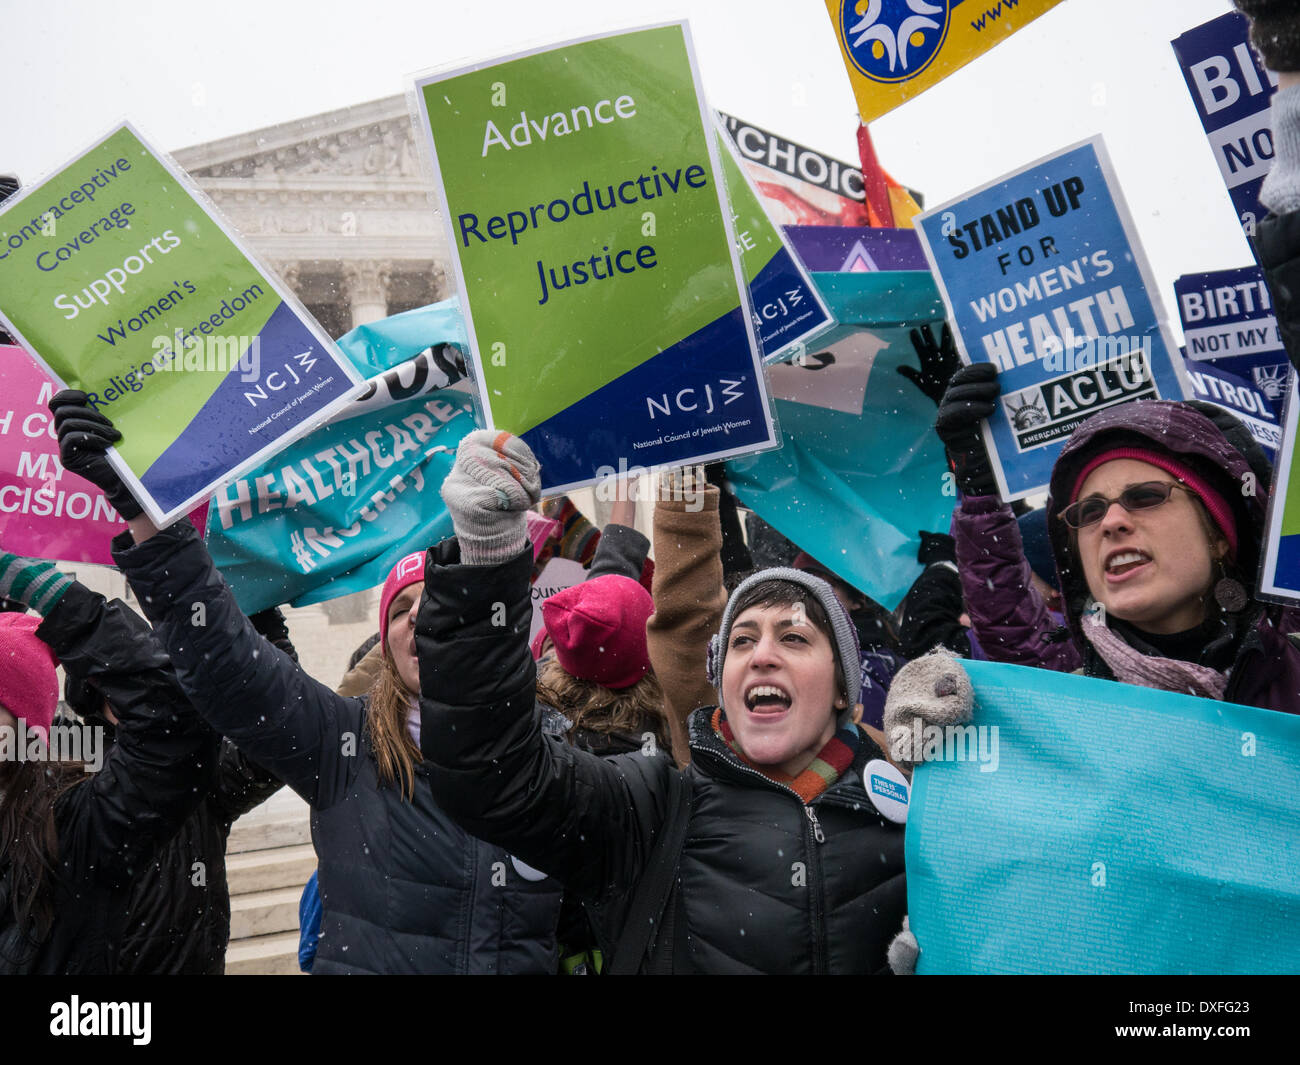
x,y
586,820
163,762
243,687
689,598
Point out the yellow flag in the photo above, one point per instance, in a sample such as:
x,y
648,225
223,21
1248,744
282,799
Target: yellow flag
x,y
896,49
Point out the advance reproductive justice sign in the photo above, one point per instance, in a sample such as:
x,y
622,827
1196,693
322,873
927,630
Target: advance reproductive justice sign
x,y
124,283
1044,277
605,303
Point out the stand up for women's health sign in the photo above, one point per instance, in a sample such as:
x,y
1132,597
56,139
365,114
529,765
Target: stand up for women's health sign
x,y
1044,277
124,283
595,256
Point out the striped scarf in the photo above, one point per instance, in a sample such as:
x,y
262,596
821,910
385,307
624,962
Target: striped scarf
x,y
824,770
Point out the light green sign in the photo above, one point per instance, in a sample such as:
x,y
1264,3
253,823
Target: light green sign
x,y
593,253
787,308
117,278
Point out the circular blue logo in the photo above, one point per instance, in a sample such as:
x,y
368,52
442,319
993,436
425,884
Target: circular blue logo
x,y
893,40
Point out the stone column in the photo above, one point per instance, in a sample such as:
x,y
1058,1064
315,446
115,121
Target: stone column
x,y
367,284
290,271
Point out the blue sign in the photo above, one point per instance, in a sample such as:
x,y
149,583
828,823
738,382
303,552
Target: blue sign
x,y
1231,89
1228,320
1124,830
1044,277
1237,395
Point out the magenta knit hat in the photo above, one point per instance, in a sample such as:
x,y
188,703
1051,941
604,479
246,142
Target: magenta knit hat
x,y
407,572
1220,511
598,629
29,688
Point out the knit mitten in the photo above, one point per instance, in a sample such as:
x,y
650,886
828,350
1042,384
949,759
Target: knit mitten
x,y
932,690
494,480
903,952
1280,192
32,581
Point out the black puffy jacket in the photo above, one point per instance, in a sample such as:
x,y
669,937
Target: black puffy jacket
x,y
179,910
110,826
765,883
403,889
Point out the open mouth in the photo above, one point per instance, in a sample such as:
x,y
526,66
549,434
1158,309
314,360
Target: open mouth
x,y
767,699
1123,562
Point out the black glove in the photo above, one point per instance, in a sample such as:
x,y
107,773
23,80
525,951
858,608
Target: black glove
x,y
972,396
938,362
84,438
271,624
936,547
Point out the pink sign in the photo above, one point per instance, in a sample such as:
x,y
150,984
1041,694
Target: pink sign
x,y
45,512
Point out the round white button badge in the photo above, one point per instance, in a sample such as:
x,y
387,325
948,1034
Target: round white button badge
x,y
526,871
888,789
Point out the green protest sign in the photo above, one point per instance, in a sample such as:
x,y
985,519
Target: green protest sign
x,y
606,309
787,308
122,281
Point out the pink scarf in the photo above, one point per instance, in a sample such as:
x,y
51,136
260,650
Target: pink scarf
x,y
1148,671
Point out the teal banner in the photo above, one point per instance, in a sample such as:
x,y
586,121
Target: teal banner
x,y
336,510
861,471
1105,828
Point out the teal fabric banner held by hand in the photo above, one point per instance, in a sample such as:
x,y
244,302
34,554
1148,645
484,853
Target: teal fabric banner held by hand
x,y
1106,828
860,472
337,509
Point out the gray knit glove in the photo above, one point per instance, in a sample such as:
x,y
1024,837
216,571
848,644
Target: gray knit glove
x,y
932,690
1280,192
495,479
32,581
903,952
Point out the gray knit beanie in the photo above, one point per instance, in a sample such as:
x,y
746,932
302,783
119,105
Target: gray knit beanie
x,y
844,642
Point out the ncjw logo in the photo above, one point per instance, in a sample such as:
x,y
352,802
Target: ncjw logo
x,y
893,40
692,400
278,380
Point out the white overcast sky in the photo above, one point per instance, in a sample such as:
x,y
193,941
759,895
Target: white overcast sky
x,y
189,72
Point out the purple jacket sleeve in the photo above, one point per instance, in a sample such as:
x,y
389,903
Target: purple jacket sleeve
x,y
1008,616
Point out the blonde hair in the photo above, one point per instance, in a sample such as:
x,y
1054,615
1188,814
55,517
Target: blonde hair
x,y
636,709
396,754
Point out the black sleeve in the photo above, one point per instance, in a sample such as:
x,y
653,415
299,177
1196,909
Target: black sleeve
x,y
931,610
241,784
163,762
1277,243
586,820
292,725
621,550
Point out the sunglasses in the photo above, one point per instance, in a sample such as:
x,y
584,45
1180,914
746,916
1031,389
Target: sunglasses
x,y
1135,497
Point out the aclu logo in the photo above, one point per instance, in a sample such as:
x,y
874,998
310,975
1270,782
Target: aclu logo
x,y
894,40
1048,412
694,400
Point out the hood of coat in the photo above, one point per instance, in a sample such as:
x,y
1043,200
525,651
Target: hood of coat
x,y
1187,435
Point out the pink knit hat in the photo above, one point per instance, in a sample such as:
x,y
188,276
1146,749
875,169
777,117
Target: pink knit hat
x,y
598,629
410,570
1218,507
29,688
